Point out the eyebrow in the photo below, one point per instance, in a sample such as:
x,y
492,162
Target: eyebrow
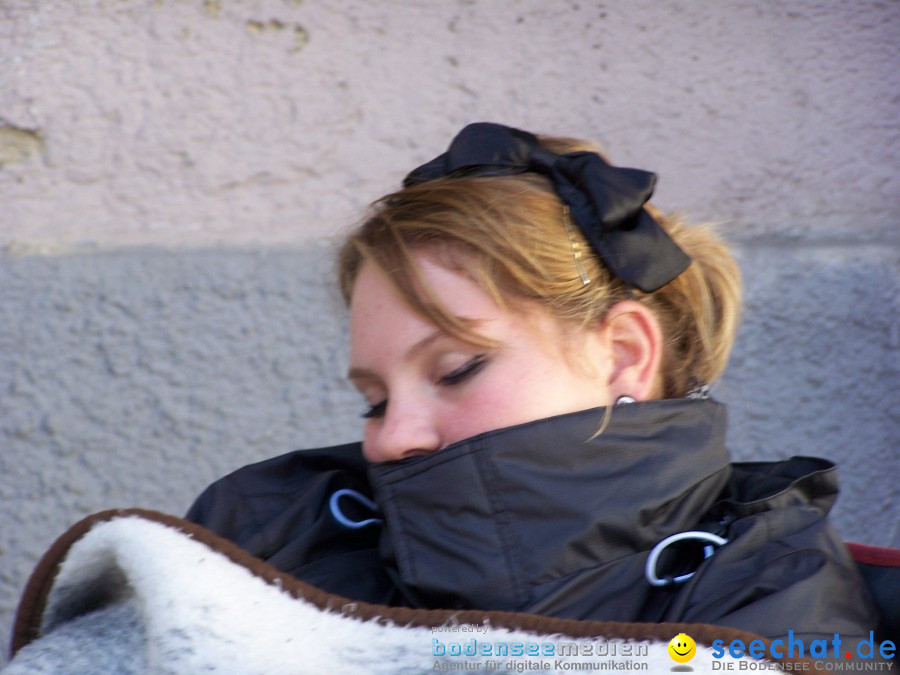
x,y
356,372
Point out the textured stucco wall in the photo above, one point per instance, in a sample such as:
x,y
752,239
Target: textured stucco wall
x,y
170,172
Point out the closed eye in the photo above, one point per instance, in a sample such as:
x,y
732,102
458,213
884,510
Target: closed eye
x,y
469,369
465,371
376,410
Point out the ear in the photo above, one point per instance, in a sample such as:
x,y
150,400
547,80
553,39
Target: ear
x,y
636,343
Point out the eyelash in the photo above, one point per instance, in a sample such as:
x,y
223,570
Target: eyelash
x,y
471,367
376,410
465,371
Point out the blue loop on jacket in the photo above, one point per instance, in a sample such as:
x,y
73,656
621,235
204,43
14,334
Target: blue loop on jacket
x,y
653,558
335,508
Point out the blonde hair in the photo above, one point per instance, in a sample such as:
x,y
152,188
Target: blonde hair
x,y
509,235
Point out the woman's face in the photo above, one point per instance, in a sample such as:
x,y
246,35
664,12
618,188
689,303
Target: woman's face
x,y
426,390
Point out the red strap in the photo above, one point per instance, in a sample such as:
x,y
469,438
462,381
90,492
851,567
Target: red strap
x,y
874,555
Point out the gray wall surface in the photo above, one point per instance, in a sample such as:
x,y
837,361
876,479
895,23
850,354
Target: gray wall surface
x,y
173,175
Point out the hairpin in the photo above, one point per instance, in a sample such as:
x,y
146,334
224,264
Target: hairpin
x,y
576,247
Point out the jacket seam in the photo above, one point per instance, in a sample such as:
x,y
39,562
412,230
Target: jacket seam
x,y
495,495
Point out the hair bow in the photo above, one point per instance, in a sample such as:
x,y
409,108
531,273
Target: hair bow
x,y
606,202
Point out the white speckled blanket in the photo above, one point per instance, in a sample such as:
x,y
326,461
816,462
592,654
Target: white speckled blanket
x,y
133,591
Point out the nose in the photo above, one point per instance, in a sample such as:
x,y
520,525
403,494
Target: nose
x,y
406,430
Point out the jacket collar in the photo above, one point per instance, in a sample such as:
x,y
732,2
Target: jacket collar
x,y
485,521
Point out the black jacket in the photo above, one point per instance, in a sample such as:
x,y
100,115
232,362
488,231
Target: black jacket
x,y
549,518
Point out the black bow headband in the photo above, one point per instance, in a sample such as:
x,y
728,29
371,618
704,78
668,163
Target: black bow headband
x,y
606,202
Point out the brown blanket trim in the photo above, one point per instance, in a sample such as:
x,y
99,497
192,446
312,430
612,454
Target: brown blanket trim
x,y
34,598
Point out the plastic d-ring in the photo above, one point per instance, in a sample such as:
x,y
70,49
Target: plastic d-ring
x,y
335,508
653,558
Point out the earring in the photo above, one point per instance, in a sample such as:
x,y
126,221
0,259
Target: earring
x,y
625,400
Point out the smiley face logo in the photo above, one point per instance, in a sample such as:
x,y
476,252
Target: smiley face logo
x,y
682,648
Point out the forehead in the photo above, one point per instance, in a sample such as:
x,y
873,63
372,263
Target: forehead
x,y
379,312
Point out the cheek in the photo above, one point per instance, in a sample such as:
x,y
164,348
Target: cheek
x,y
493,405
533,390
369,437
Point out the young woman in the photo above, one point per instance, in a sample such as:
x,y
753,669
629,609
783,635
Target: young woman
x,y
534,343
